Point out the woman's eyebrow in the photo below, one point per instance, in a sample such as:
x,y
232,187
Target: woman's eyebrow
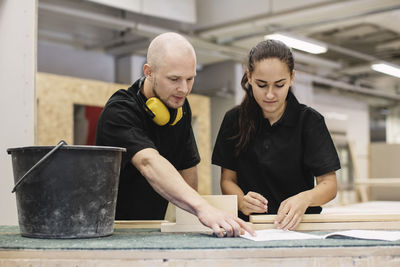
x,y
281,80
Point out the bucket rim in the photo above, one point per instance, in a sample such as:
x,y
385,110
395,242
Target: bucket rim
x,y
69,147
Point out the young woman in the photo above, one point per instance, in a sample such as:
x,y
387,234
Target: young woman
x,y
271,147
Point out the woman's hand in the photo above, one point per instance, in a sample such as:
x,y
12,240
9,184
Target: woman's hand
x,y
291,211
253,202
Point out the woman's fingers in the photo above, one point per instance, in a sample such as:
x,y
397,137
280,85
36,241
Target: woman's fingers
x,y
290,222
248,208
282,212
286,220
257,200
259,197
296,223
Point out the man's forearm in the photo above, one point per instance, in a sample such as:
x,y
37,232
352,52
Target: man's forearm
x,y
167,181
190,176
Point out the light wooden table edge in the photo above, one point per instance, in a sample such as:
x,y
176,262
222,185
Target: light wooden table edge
x,y
335,226
330,218
217,253
138,224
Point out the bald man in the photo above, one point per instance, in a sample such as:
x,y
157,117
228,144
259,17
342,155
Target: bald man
x,y
152,120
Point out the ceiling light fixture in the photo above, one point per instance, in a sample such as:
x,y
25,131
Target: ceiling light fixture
x,y
299,43
387,69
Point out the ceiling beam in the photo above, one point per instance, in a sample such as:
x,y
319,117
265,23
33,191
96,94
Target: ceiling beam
x,y
310,15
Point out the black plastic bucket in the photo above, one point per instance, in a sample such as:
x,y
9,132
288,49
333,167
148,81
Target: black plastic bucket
x,y
70,194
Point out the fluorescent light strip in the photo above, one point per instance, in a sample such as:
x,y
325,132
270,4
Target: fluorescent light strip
x,y
308,46
387,69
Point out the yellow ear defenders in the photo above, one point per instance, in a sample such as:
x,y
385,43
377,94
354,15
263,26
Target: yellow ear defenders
x,y
156,109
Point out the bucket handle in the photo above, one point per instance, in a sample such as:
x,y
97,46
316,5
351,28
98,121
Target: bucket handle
x,y
60,144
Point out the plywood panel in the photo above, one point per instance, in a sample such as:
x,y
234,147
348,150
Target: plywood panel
x,y
56,96
384,163
384,160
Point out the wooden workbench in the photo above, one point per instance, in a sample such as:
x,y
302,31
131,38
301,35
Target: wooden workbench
x,y
150,247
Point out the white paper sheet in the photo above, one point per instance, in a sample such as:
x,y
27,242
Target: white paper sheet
x,y
277,234
368,234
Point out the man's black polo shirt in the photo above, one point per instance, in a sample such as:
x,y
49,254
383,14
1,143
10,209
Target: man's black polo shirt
x,y
124,123
281,160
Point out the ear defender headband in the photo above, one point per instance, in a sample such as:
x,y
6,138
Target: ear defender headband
x,y
156,109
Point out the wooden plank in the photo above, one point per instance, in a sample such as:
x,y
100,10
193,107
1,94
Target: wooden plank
x,y
184,228
226,203
328,218
379,182
145,224
362,191
186,222
334,226
125,256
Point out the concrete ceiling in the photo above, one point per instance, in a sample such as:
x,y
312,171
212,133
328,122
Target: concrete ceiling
x,y
357,32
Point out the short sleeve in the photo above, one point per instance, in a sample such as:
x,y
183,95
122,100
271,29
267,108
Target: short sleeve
x,y
120,125
320,154
224,149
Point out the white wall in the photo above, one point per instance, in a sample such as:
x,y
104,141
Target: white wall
x,y
393,125
211,12
219,106
129,69
224,78
343,114
182,10
18,26
66,60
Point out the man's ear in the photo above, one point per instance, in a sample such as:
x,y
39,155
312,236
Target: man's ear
x,y
147,71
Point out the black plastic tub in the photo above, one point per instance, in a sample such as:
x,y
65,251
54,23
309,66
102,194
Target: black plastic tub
x,y
70,194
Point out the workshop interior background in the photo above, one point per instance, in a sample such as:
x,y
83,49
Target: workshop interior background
x,y
78,52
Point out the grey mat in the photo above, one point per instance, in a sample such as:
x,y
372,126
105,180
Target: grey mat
x,y
133,239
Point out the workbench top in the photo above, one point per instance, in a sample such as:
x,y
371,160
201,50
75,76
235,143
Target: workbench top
x,y
153,239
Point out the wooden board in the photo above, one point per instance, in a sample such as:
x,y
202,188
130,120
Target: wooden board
x,y
144,224
379,182
226,203
334,226
329,218
176,228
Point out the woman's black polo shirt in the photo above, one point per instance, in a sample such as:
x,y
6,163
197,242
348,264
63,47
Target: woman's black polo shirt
x,y
281,160
124,123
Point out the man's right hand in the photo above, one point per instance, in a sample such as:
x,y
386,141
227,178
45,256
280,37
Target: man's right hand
x,y
253,202
222,222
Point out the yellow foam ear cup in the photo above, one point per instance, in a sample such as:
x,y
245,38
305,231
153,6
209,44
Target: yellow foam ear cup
x,y
160,111
179,115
